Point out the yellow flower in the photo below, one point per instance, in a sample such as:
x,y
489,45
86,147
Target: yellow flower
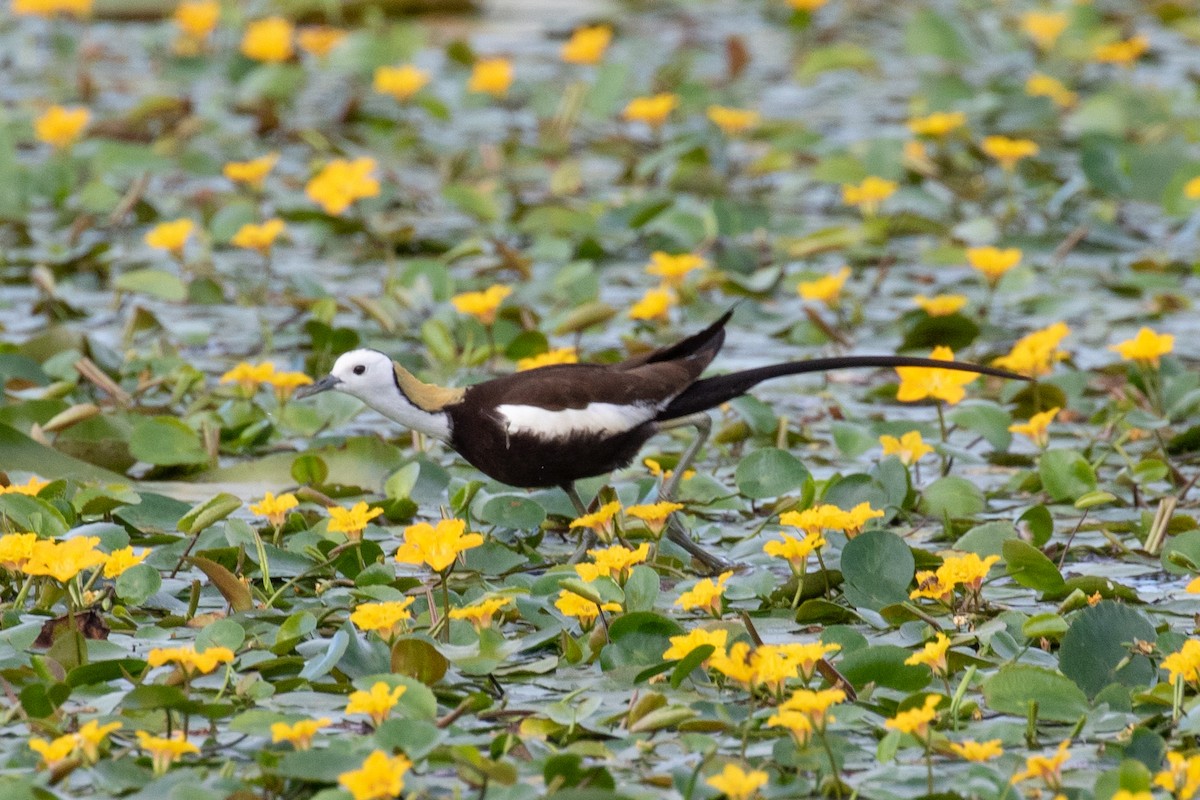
x,y
170,236
1181,777
733,121
654,515
795,551
917,383
705,594
165,752
1040,85
737,784
381,777
376,703
817,518
857,517
252,172
967,570
942,305
1191,189
807,5
1193,586
909,448
31,487
400,82
61,127
258,237
583,609
16,549
48,8
654,305
274,508
1125,794
930,586
657,471
480,612
481,305
438,547
798,724
937,124
268,40
54,752
827,290
806,655
868,195
91,735
600,520
970,750
1009,151
341,182
284,383
933,655
587,45
351,521
188,660
652,109
1047,768
915,720
491,76
674,268
614,562
1123,52
993,262
814,704
299,734
1184,663
735,663
197,18
385,618
64,560
1036,353
560,355
1036,427
319,40
1044,27
1146,347
249,376
120,560
682,646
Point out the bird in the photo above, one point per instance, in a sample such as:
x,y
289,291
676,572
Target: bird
x,y
557,424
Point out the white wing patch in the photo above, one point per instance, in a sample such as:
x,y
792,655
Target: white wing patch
x,y
596,418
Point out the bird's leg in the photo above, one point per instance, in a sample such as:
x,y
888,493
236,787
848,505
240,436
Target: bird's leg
x,y
703,424
587,538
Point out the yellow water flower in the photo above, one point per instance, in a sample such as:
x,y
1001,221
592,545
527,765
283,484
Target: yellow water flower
x,y
971,750
481,305
705,595
807,5
481,612
918,383
298,734
170,236
734,663
654,515
1039,85
854,520
66,559
827,290
189,661
381,777
16,549
31,487
259,237
909,448
993,262
1191,189
165,752
733,121
614,562
932,655
268,40
248,376
1009,151
1123,52
737,784
386,618
931,587
587,45
1048,769
868,195
915,721
814,704
120,560
48,8
937,124
376,703
284,383
1036,353
654,305
60,127
559,355
341,182
437,546
56,751
1146,347
1037,427
657,471
967,570
651,109
319,40
799,725
197,19
673,269
275,509
351,521
491,76
1044,27
682,646
806,655
1181,777
252,172
91,735
401,82
817,518
942,305
795,551
600,520
1184,663
583,609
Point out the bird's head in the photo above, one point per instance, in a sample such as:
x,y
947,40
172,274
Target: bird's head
x,y
365,374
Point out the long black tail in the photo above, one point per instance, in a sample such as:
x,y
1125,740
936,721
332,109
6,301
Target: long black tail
x,y
711,392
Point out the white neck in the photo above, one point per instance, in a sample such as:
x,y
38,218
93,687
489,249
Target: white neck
x,y
395,406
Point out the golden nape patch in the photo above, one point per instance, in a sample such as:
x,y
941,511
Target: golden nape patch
x,y
425,396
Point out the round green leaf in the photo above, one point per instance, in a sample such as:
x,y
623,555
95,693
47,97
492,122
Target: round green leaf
x,y
513,511
770,472
136,584
1066,475
952,497
1016,686
166,441
1100,648
877,567
1029,567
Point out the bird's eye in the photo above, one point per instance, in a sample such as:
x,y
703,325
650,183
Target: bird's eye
x,y
360,369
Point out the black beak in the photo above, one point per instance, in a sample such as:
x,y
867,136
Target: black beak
x,y
323,385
